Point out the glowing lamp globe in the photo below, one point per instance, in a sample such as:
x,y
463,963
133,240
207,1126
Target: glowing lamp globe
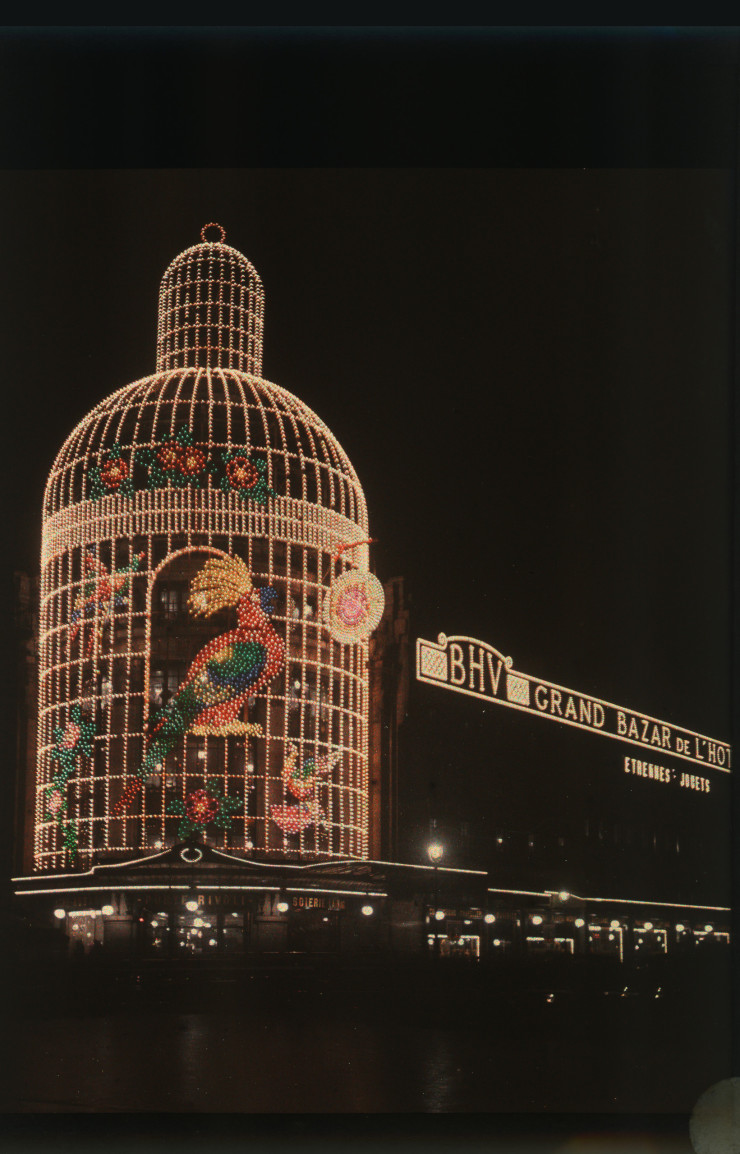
x,y
435,852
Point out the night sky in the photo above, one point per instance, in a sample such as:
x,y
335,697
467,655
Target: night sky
x,y
529,364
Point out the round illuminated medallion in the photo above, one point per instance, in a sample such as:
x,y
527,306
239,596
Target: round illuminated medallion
x,y
191,854
353,606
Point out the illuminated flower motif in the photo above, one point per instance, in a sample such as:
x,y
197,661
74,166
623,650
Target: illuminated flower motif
x,y
112,475
74,739
236,471
202,807
54,802
71,735
70,742
169,456
191,461
242,473
353,606
176,461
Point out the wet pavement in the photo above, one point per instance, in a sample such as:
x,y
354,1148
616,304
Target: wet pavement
x,y
315,1041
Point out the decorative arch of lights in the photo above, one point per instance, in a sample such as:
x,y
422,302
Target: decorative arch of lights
x,y
203,461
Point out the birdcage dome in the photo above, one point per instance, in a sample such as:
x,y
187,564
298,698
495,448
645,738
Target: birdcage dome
x,y
208,392
222,411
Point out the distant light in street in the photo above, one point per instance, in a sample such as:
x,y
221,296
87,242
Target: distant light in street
x,y
281,906
708,929
60,913
107,910
496,942
191,905
563,896
435,851
579,923
680,928
368,911
536,920
489,919
615,925
439,915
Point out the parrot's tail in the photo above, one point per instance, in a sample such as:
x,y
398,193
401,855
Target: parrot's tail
x,y
156,752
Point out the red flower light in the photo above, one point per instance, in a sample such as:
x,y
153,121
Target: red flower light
x,y
113,473
169,456
242,473
191,460
55,802
201,807
71,735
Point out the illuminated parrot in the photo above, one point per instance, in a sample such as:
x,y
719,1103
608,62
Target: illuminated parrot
x,y
301,782
101,593
228,670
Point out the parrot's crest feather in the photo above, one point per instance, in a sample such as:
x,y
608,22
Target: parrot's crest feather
x,y
222,582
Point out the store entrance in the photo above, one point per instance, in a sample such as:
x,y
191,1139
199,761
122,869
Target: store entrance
x,y
314,932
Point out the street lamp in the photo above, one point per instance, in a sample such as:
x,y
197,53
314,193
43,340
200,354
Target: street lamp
x,y
435,853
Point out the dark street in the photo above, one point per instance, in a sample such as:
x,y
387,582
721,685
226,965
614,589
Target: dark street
x,y
302,1040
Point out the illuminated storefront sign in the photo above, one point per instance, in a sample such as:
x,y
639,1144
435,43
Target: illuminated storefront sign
x,y
317,902
476,668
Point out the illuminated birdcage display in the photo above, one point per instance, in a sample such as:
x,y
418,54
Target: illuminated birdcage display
x,y
206,602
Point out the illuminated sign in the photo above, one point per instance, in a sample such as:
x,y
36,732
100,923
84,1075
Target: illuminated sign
x,y
317,902
476,668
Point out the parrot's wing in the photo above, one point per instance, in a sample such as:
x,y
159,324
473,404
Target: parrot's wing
x,y
236,667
